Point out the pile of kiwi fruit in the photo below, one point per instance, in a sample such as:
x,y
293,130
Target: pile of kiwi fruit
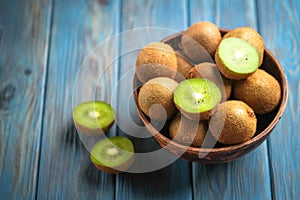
x,y
209,89
207,85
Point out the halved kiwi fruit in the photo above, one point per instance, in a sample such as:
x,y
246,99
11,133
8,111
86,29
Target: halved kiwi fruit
x,y
196,98
251,36
210,71
93,118
236,58
113,155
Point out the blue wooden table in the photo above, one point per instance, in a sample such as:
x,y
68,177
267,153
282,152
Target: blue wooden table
x,y
42,46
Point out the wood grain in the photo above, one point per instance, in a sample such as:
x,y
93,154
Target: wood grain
x,y
78,26
247,177
279,24
174,181
24,34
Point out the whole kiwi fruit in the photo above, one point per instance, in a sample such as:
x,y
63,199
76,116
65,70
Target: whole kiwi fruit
x,y
187,132
261,91
206,34
251,36
155,98
233,122
156,59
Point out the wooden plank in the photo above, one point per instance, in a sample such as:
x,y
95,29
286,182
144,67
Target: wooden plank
x,y
172,182
78,26
280,27
24,34
247,177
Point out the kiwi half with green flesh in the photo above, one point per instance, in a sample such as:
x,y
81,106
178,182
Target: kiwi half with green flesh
x,y
206,34
156,59
93,118
261,91
236,59
197,98
233,122
113,155
251,36
188,132
210,71
155,98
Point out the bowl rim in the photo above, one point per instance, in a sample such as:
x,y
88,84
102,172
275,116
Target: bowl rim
x,y
259,137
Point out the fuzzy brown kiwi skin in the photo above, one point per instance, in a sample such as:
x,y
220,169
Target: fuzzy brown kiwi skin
x,y
239,122
187,132
206,34
118,169
183,67
93,132
156,59
251,36
227,72
211,72
261,91
158,91
196,116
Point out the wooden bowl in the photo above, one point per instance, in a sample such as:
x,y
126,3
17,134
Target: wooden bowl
x,y
221,154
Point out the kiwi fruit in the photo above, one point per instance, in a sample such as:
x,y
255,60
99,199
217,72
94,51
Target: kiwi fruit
x,y
113,155
233,122
155,98
197,98
261,91
236,59
187,132
211,72
251,36
206,34
93,118
183,67
156,59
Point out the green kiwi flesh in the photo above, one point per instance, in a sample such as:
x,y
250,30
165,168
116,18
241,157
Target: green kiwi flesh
x,y
93,117
113,155
236,58
197,98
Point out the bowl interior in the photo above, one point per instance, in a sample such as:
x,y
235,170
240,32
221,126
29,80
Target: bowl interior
x,y
265,124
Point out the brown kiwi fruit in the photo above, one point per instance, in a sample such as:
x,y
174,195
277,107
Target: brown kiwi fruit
x,y
156,98
206,34
183,67
113,155
251,36
211,72
156,59
188,132
261,91
93,118
239,122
